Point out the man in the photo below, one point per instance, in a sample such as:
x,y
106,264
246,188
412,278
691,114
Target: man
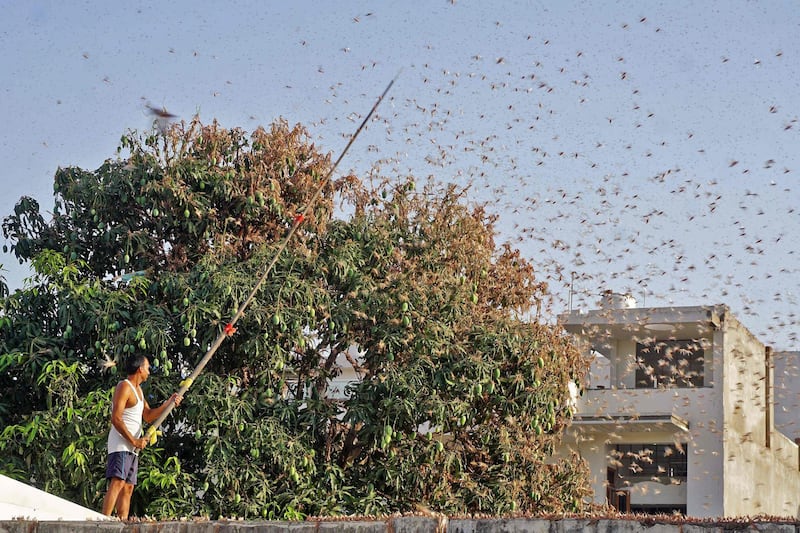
x,y
125,438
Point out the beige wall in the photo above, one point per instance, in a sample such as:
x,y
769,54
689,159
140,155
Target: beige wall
x,y
759,479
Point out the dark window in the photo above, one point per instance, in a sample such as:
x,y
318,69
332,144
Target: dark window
x,y
672,363
655,462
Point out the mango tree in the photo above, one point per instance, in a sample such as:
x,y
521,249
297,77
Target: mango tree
x,y
395,359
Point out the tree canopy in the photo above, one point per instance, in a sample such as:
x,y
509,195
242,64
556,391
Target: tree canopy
x,y
393,360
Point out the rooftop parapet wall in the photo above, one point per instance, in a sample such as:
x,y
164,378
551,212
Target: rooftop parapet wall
x,y
414,524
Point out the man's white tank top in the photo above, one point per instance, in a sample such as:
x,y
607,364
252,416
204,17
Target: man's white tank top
x,y
132,418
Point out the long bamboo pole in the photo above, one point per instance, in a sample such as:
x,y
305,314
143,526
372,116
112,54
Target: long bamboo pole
x,y
229,328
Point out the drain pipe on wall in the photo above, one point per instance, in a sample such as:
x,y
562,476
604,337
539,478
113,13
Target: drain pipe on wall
x,y
768,395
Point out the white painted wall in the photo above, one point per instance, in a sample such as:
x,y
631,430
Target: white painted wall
x,y
653,492
599,372
18,500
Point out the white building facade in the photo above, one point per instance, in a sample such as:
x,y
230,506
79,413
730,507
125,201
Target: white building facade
x,y
678,414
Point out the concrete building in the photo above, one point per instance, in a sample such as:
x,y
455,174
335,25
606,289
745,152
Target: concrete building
x,y
679,413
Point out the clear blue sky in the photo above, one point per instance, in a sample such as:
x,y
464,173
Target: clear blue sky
x,y
649,147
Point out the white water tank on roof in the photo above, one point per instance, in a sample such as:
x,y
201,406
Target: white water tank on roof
x,y
617,300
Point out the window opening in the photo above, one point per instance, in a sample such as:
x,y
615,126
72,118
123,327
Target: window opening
x,y
669,363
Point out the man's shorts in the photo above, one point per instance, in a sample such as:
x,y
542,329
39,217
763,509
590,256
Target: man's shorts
x,y
123,465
